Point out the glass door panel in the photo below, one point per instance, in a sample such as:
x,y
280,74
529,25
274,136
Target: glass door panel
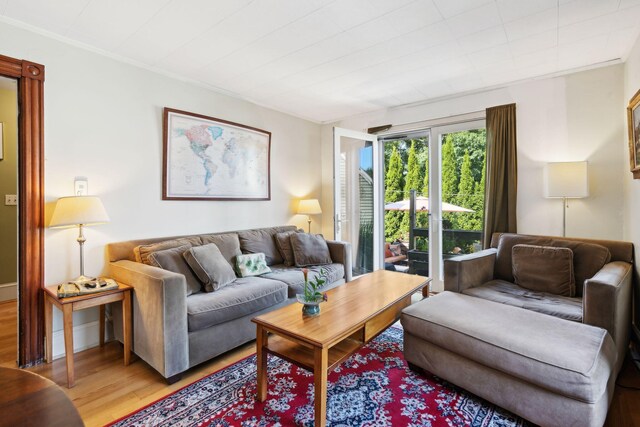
x,y
457,222
355,203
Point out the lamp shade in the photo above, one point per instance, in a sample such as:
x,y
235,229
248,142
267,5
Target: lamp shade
x,y
309,207
566,179
76,210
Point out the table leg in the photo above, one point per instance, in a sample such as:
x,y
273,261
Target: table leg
x,y
126,326
48,329
102,325
67,315
262,339
425,291
320,367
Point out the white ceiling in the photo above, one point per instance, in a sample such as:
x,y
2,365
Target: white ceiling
x,y
324,60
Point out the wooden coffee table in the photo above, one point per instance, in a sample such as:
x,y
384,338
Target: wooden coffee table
x,y
355,314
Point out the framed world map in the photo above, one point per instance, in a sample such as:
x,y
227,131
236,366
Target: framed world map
x,y
211,159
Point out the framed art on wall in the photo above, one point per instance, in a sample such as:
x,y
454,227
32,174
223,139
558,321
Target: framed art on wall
x,y
212,159
1,141
633,121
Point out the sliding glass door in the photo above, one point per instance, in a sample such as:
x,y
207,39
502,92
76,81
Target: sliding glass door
x,y
445,167
357,209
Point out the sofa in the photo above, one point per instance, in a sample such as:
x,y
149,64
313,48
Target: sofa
x,y
178,324
538,325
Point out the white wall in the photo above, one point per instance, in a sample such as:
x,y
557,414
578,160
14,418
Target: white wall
x,y
103,120
631,229
572,117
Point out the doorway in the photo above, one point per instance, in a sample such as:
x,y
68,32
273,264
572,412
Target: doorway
x,y
8,219
444,165
357,207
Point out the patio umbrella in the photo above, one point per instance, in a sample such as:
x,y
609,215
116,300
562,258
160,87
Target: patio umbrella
x,y
422,205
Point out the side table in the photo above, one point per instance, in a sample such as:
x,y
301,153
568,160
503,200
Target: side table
x,y
69,305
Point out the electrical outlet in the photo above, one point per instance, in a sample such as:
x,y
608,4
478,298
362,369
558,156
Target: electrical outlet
x,y
10,199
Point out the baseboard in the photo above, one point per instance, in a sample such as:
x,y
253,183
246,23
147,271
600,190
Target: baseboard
x,y
8,292
85,336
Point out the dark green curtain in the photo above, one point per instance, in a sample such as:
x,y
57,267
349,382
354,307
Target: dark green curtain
x,y
502,172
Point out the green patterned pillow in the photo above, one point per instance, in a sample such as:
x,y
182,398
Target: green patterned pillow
x,y
251,265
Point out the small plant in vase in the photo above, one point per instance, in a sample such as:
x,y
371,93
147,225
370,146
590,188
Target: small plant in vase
x,y
312,297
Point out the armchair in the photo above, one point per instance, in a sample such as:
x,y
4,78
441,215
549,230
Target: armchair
x,y
603,274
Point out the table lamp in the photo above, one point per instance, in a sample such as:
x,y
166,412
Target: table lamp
x,y
566,180
309,207
79,211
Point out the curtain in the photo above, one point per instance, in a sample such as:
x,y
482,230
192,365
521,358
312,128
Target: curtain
x,y
502,172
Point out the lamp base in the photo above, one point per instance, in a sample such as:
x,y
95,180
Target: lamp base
x,y
82,279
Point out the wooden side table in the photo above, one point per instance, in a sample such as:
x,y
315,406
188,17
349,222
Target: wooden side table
x,y
29,399
70,304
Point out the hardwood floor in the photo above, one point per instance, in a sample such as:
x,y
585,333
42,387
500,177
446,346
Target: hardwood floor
x,y
106,390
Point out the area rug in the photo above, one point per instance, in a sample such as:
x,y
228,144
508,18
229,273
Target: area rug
x,y
374,387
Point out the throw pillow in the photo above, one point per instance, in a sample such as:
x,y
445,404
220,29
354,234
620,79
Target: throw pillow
x,y
283,242
544,269
251,265
173,260
310,249
208,263
263,241
228,243
142,252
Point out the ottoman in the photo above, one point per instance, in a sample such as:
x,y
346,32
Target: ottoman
x,y
551,371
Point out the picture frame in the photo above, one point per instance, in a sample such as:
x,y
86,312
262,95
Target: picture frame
x,y
206,158
633,122
1,141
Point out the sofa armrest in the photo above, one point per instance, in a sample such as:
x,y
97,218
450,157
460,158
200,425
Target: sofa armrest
x,y
467,271
606,302
341,252
160,335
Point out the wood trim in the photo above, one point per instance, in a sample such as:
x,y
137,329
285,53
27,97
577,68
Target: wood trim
x,y
30,78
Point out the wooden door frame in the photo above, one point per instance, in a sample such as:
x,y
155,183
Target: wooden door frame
x,y
30,77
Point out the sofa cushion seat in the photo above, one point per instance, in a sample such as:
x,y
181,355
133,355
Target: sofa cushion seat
x,y
568,358
241,297
511,294
294,278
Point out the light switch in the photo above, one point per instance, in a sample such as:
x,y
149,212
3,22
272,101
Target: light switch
x,y
10,199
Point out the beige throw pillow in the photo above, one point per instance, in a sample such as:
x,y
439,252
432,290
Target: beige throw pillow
x,y
544,269
173,260
310,249
142,252
210,266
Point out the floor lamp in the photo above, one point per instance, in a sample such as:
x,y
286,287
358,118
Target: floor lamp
x,y
566,180
79,211
309,207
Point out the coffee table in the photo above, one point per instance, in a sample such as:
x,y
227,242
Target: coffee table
x,y
355,313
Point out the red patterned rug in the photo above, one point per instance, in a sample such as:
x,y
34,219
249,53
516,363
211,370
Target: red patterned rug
x,y
374,387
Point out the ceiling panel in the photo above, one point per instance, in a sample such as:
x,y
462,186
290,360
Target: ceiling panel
x,y
327,59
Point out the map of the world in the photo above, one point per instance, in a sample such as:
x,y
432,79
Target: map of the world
x,y
212,159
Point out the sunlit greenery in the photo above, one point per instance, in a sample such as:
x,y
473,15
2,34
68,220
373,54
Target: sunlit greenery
x,y
463,168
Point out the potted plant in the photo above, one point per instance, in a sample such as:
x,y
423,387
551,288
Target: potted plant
x,y
312,297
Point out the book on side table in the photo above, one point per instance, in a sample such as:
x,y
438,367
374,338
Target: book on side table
x,y
98,284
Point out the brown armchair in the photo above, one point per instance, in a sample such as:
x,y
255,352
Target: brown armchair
x,y
603,275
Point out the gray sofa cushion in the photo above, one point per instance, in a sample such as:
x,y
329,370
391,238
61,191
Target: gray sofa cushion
x,y
568,358
588,258
529,261
294,278
173,260
243,296
309,249
508,293
209,265
228,243
283,242
263,240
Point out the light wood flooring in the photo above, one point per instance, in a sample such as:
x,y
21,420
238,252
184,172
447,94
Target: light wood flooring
x,y
106,390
